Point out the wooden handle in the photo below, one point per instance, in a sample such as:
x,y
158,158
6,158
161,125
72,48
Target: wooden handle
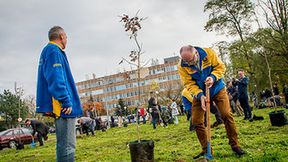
x,y
208,114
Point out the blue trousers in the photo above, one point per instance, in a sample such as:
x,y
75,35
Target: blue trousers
x,y
66,139
245,105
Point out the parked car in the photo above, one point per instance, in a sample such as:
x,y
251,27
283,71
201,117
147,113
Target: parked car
x,y
11,137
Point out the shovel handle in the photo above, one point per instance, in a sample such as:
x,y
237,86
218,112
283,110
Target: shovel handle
x,y
209,153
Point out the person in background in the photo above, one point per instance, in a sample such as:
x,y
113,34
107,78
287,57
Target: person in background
x,y
143,114
187,102
39,127
181,109
285,93
57,94
153,109
242,84
112,121
88,125
255,100
174,110
276,94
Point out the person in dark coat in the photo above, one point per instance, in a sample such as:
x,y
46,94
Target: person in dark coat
x,y
285,93
87,124
39,127
242,84
152,105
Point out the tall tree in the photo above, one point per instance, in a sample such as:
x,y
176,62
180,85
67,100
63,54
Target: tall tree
x,y
222,48
276,14
232,17
229,16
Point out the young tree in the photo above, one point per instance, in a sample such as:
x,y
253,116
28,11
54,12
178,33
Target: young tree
x,y
132,25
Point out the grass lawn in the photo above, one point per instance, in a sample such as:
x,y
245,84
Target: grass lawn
x,y
259,139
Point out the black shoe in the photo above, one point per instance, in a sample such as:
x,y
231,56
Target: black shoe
x,y
202,153
199,155
216,124
238,150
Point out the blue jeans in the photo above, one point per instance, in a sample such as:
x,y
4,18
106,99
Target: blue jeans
x,y
66,139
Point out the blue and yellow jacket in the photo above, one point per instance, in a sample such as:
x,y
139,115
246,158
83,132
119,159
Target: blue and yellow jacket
x,y
194,78
55,84
187,100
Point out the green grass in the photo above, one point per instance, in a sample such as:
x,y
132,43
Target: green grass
x,y
259,139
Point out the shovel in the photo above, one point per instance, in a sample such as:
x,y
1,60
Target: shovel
x,y
33,144
209,154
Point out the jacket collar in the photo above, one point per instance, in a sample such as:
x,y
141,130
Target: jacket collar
x,y
202,55
52,42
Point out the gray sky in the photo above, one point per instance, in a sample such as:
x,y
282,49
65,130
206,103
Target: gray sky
x,y
96,39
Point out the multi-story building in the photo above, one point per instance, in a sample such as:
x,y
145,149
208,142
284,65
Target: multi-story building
x,y
109,89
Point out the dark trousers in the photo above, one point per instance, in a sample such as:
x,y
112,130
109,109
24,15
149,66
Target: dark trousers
x,y
40,138
154,121
87,129
245,105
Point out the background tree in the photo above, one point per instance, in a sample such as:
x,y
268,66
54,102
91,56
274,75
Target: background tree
x,y
10,104
276,16
121,109
232,17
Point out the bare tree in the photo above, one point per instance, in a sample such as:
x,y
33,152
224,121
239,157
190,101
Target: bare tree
x,y
276,15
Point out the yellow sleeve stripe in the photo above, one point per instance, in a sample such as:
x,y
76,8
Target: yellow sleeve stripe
x,y
187,94
55,65
56,107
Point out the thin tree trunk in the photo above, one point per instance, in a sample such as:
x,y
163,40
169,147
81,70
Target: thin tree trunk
x,y
270,79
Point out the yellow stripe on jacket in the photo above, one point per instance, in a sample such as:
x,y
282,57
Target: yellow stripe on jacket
x,y
56,107
187,95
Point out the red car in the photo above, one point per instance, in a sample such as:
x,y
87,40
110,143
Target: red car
x,y
11,137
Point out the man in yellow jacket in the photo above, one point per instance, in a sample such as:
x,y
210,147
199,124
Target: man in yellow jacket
x,y
199,67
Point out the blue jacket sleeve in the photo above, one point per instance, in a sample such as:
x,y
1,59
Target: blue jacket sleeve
x,y
54,74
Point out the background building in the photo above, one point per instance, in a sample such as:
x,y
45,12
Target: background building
x,y
163,78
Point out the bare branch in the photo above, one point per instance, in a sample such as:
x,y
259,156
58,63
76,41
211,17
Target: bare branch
x,y
129,62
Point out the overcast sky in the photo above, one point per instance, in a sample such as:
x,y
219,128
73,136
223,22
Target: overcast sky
x,y
96,39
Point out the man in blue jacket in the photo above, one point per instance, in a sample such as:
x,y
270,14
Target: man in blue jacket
x,y
242,84
56,93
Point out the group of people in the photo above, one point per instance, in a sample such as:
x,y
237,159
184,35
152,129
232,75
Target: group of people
x,y
269,99
160,114
199,67
238,95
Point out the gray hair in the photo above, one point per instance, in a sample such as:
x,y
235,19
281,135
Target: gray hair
x,y
188,47
55,32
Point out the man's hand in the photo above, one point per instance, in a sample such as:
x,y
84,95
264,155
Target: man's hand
x,y
67,111
203,103
209,82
